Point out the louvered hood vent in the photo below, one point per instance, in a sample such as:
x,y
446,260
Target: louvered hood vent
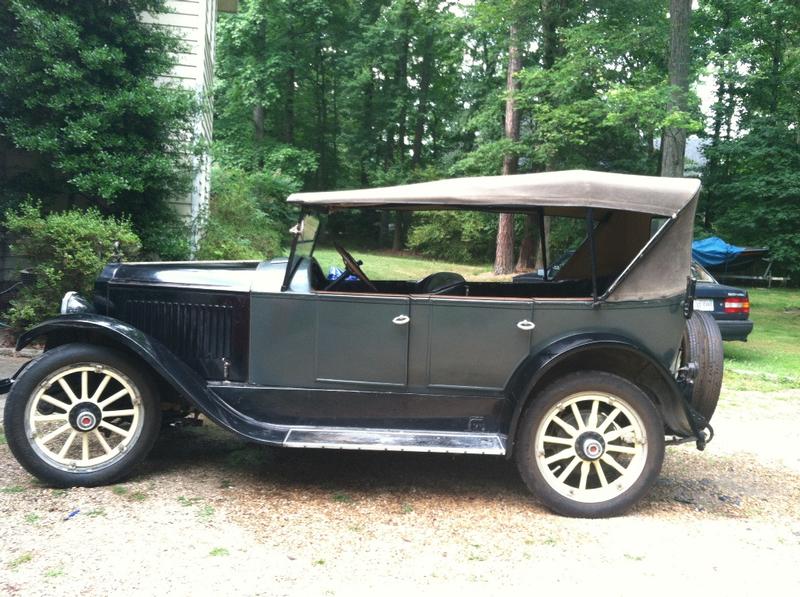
x,y
198,333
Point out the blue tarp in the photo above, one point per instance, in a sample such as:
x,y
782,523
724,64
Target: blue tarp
x,y
714,251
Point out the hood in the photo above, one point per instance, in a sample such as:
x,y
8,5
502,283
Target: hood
x,y
228,275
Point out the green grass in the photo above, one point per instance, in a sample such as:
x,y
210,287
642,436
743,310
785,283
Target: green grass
x,y
54,572
219,551
23,559
13,489
770,359
391,266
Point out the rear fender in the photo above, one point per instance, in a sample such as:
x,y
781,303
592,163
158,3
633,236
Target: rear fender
x,y
605,352
92,328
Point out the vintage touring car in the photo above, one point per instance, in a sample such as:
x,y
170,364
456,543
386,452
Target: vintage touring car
x,y
582,379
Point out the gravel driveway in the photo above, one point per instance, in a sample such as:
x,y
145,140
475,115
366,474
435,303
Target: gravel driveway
x,y
211,514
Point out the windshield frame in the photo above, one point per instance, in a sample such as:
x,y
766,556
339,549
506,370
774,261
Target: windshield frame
x,y
294,260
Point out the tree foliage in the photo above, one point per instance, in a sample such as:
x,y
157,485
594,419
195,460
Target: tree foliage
x,y
752,176
79,92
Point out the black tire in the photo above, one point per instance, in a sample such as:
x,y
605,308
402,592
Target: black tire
x,y
702,343
122,453
594,500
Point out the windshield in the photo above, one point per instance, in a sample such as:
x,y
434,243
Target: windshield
x,y
304,237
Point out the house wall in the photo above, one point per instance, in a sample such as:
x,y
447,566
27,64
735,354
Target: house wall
x,y
195,22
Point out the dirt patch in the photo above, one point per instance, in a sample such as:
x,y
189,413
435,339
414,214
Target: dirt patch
x,y
209,513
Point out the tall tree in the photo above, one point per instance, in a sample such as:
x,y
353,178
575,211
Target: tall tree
x,y
673,144
504,254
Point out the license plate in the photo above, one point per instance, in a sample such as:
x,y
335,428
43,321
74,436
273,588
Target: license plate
x,y
704,304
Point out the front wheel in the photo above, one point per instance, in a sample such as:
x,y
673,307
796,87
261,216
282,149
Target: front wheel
x,y
81,415
591,445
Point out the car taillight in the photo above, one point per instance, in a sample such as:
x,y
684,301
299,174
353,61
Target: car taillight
x,y
737,305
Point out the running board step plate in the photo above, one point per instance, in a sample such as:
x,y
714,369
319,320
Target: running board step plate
x,y
396,440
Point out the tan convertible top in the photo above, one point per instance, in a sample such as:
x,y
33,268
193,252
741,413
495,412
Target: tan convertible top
x,y
568,188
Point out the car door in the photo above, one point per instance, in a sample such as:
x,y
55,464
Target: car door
x,y
362,339
477,343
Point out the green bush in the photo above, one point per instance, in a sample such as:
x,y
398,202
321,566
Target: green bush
x,y
247,216
67,251
462,237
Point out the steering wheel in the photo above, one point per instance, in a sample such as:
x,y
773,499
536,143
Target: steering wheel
x,y
354,267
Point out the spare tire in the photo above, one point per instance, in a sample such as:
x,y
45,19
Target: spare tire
x,y
702,343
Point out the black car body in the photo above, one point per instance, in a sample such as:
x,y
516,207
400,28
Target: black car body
x,y
579,377
730,306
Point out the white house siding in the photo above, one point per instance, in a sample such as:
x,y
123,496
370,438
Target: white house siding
x,y
195,22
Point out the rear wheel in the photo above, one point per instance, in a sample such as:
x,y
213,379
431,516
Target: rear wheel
x,y
702,343
590,445
81,415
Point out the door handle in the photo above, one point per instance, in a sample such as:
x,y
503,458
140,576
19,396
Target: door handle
x,y
526,325
401,320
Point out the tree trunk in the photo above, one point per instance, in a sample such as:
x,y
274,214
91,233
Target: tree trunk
x,y
539,256
673,145
527,248
530,254
504,252
426,70
289,124
258,123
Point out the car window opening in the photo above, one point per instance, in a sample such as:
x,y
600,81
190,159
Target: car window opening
x,y
592,257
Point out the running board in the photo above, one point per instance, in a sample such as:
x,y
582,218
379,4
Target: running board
x,y
396,440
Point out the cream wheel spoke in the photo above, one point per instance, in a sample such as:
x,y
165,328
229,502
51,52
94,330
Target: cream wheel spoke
x,y
85,448
46,418
114,428
564,425
54,434
598,468
67,390
612,462
592,422
67,444
102,441
621,449
100,388
570,467
576,412
608,420
585,466
84,385
53,402
128,412
552,439
560,455
113,398
618,433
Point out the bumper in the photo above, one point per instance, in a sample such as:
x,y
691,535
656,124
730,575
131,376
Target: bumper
x,y
735,329
5,385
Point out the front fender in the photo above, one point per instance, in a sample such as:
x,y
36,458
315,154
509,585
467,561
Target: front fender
x,y
536,369
85,327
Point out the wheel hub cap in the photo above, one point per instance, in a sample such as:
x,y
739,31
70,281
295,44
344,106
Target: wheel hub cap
x,y
85,417
590,446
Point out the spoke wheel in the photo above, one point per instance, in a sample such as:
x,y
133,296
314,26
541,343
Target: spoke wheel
x,y
590,445
84,417
81,415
